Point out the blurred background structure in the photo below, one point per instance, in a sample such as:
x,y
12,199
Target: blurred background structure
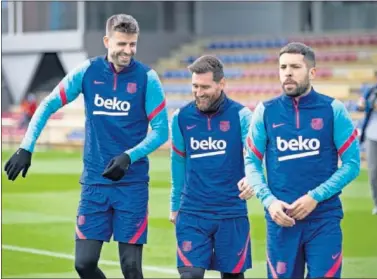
x,y
42,41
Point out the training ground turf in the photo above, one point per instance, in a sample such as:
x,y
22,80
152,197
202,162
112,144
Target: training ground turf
x,y
38,221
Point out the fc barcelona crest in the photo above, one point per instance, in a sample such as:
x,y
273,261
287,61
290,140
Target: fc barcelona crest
x,y
186,246
281,267
131,87
81,220
224,125
317,123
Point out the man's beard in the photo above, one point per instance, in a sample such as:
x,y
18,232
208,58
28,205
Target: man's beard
x,y
212,103
300,89
119,61
204,104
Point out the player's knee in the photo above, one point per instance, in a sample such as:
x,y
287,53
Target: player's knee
x,y
86,265
131,268
232,276
191,272
131,257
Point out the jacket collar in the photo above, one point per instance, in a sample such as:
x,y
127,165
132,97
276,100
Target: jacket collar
x,y
110,66
223,105
303,100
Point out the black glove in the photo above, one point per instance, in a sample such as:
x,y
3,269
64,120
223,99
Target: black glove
x,y
117,167
20,161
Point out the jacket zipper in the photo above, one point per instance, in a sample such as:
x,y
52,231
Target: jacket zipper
x,y
115,76
209,120
297,113
115,81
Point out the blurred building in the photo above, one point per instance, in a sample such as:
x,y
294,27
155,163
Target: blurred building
x,y
42,41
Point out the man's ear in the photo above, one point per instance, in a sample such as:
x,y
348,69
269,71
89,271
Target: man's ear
x,y
222,83
312,73
106,41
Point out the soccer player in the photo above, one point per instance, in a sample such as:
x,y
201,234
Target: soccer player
x,y
122,97
208,190
301,134
368,104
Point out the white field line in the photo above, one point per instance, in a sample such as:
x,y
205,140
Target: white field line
x,y
162,270
71,257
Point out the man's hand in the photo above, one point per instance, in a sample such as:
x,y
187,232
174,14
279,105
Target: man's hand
x,y
302,207
117,167
173,216
20,161
361,104
276,210
246,191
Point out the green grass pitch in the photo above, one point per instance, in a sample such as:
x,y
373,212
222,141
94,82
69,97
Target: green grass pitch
x,y
38,221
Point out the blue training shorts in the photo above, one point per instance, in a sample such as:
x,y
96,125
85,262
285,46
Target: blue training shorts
x,y
316,243
217,244
119,211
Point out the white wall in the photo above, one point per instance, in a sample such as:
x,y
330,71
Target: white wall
x,y
18,71
42,42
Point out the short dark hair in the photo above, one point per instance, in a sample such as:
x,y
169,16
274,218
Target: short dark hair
x,y
300,48
206,64
122,23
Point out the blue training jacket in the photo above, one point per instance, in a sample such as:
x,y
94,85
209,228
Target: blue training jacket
x,y
118,109
301,143
207,160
